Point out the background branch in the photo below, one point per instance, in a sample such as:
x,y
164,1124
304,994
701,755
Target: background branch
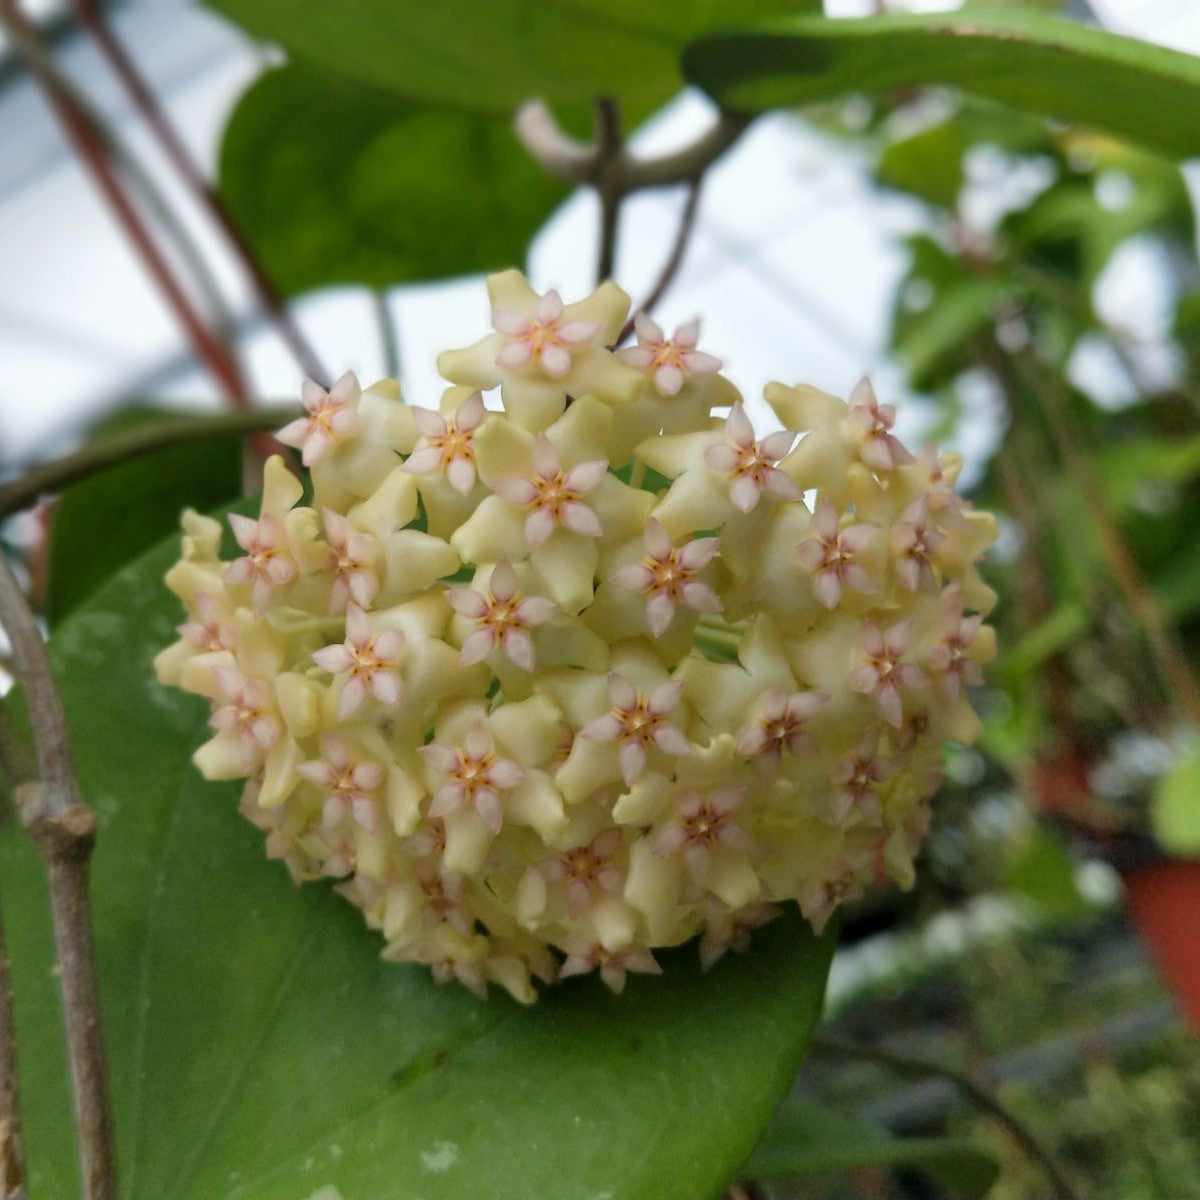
x,y
979,1096
63,829
93,18
53,476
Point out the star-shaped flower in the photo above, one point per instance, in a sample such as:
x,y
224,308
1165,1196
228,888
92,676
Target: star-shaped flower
x,y
350,781
749,465
447,444
668,577
554,497
544,339
502,616
332,417
831,555
668,361
367,660
475,776
266,564
637,721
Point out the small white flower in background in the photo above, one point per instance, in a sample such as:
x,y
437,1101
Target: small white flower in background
x,y
540,719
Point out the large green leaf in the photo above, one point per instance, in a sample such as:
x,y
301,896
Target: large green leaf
x,y
260,1050
1039,63
490,57
336,183
104,522
807,1140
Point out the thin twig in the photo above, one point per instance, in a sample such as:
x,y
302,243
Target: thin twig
x,y
608,184
568,159
687,222
389,340
53,476
93,18
12,1154
95,149
979,1096
63,829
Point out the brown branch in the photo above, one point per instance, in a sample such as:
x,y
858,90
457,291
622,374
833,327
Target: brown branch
x,y
12,1154
979,1096
607,183
90,142
92,16
687,222
53,476
576,162
63,829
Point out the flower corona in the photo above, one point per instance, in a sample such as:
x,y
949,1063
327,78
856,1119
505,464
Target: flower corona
x,y
550,685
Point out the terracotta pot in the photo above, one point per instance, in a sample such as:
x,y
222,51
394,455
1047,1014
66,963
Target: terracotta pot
x,y
1163,899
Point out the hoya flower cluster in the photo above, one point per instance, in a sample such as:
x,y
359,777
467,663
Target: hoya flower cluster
x,y
551,687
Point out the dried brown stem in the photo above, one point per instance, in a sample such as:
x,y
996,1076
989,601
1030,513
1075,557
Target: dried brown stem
x,y
979,1096
687,222
93,18
53,476
63,829
91,144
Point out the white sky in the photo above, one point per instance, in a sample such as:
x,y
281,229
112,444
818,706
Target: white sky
x,y
792,266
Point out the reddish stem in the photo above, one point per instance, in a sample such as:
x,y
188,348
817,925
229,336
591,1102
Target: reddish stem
x,y
89,144
92,17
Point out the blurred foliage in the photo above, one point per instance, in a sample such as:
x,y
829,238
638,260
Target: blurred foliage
x,y
338,183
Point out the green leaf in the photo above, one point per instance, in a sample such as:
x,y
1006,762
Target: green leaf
x,y
939,339
104,522
336,183
261,1050
1175,809
456,54
1039,869
807,1140
1144,93
928,164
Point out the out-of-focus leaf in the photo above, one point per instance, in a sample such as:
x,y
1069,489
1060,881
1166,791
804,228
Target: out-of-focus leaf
x,y
461,54
1066,624
939,338
1130,465
336,183
1040,870
102,523
1175,811
928,164
807,1140
261,1050
1128,88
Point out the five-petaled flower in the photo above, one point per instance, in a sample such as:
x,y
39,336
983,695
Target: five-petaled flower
x,y
554,497
502,617
247,711
832,554
668,577
544,338
779,725
870,425
266,564
448,443
637,721
474,776
884,673
668,361
367,660
702,821
332,417
350,782
749,464
352,556
586,869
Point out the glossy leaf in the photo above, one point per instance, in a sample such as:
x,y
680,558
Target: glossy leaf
x,y
459,55
807,1140
928,163
336,183
108,520
1175,812
1040,870
1146,94
261,1050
